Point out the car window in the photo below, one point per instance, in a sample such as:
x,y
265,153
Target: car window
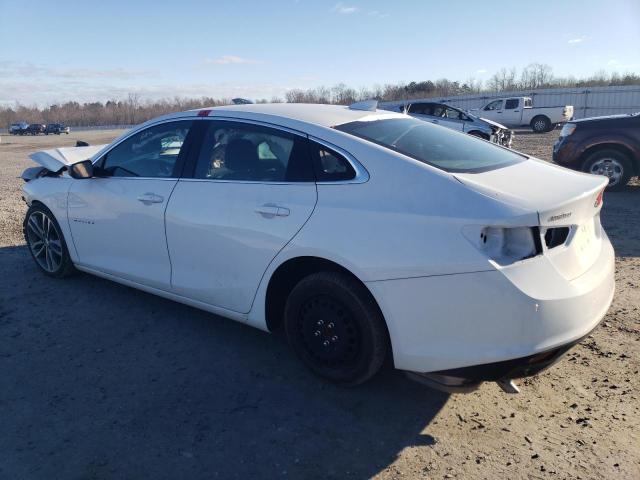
x,y
420,108
245,152
511,103
438,111
445,149
150,153
451,113
495,105
329,165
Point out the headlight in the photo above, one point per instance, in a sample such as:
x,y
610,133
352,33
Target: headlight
x,y
568,129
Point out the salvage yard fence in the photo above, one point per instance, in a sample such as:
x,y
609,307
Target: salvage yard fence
x,y
587,101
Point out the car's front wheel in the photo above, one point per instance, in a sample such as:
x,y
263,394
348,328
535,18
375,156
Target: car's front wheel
x,y
46,242
612,164
335,327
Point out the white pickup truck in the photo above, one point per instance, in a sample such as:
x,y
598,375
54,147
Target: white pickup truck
x,y
519,111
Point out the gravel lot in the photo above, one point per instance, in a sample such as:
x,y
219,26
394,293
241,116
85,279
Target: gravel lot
x,y
99,381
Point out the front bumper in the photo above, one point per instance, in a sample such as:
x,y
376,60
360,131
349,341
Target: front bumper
x,y
452,322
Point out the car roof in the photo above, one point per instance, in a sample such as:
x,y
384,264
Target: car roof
x,y
294,115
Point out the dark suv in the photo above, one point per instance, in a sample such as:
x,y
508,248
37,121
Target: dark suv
x,y
56,128
35,129
607,146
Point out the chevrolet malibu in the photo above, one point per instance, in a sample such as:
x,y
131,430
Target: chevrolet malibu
x,y
364,234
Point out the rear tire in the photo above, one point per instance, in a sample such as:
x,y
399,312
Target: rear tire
x,y
610,163
541,124
335,327
46,242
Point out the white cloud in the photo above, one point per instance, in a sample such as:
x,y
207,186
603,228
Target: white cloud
x,y
13,69
377,14
574,41
231,60
482,70
343,9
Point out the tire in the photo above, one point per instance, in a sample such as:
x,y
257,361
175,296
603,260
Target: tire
x,y
335,327
611,163
46,242
541,124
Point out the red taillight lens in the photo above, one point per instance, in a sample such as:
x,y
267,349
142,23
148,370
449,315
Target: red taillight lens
x,y
204,113
598,201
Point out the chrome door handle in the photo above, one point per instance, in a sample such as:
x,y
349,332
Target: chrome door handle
x,y
270,211
149,198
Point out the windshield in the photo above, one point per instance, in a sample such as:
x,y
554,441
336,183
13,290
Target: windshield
x,y
445,149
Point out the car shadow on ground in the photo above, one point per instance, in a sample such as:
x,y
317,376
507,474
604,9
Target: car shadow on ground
x,y
103,381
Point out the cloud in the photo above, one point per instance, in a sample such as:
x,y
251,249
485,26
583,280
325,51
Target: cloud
x,y
231,60
343,9
377,14
574,41
482,70
13,69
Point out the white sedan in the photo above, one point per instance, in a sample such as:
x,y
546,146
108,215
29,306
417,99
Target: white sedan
x,y
364,234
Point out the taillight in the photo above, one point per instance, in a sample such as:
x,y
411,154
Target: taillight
x,y
598,201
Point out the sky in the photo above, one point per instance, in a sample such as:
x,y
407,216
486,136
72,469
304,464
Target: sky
x,y
54,51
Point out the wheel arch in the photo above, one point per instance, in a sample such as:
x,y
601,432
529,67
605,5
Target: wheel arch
x,y
479,133
286,276
635,162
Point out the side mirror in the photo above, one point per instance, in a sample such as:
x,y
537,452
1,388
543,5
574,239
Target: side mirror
x,y
82,169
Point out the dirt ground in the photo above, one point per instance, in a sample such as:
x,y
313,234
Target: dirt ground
x,y
98,381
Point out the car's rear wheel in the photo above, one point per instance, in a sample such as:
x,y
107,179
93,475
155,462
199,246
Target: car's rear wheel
x,y
611,163
46,242
335,327
541,124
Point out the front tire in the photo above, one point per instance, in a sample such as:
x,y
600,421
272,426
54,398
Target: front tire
x,y
541,124
46,242
335,327
611,163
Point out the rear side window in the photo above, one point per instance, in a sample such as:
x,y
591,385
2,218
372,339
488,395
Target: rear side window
x,y
445,149
511,104
329,165
246,152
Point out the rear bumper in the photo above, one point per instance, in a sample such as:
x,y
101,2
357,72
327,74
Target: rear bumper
x,y
500,323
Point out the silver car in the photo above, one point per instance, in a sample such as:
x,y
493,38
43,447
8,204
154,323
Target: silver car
x,y
457,119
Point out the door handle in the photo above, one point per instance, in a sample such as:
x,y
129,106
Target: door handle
x,y
149,198
270,211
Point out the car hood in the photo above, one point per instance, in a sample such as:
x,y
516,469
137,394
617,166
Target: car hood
x,y
605,117
560,196
55,159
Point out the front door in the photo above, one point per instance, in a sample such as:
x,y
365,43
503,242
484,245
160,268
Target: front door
x,y
117,217
252,189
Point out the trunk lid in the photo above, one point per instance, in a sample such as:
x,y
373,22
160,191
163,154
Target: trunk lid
x,y
567,203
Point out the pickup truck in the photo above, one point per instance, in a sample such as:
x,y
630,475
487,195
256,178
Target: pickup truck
x,y
519,111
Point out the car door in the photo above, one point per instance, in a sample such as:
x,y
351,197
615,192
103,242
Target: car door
x,y
492,111
512,112
117,217
451,118
249,191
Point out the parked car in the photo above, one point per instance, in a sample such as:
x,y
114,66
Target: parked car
x,y
519,111
608,146
458,119
35,129
362,233
18,128
56,128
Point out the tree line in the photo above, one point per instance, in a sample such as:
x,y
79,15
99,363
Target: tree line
x,y
134,109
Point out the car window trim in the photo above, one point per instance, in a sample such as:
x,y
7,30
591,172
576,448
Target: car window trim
x,y
361,176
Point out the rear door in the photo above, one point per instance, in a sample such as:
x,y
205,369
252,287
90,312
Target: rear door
x,y
117,219
249,191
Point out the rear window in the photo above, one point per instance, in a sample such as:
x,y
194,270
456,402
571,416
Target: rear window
x,y
442,148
